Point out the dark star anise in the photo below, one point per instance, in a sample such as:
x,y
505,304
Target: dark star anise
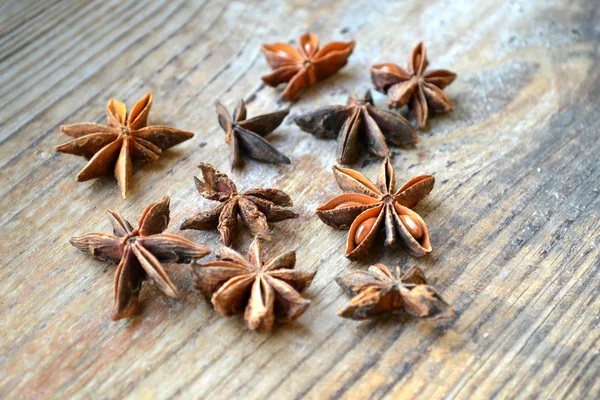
x,y
245,136
367,208
358,124
305,65
421,91
110,149
263,291
256,207
379,293
139,254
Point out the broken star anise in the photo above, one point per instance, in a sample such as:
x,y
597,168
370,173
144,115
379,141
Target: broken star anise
x,y
245,136
358,124
305,65
110,149
256,207
379,293
366,208
139,254
421,91
263,291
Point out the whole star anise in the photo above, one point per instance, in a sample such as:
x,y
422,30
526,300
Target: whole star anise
x,y
264,292
378,292
421,91
245,136
256,207
139,254
305,65
367,208
110,149
358,124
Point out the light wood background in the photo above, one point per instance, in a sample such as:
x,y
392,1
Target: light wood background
x,y
514,216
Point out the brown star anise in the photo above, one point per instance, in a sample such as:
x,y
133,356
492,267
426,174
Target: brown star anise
x,y
110,149
256,207
379,293
246,135
366,207
262,291
305,65
356,125
139,254
420,91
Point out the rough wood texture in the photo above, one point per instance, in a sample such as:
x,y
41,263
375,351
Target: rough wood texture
x,y
514,215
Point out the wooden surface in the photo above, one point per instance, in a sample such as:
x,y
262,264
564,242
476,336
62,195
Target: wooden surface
x,y
514,217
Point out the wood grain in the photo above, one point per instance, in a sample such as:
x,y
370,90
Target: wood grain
x,y
514,216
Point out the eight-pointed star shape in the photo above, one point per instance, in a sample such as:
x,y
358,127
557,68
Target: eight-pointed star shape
x,y
139,254
356,125
110,149
366,208
256,207
378,292
263,291
421,91
305,65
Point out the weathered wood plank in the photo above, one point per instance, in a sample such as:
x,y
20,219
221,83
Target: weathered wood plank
x,y
514,216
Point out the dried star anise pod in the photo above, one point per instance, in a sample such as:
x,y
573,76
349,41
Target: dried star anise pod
x,y
379,293
305,65
367,207
139,254
256,207
421,91
358,124
110,149
245,136
263,291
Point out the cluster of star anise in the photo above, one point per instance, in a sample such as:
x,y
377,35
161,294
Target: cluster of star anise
x,y
266,291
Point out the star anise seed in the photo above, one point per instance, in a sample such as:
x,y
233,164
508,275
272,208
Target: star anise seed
x,y
245,136
264,292
378,292
356,125
421,91
256,207
139,254
367,208
110,149
305,65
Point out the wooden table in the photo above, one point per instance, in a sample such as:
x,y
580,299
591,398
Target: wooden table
x,y
514,216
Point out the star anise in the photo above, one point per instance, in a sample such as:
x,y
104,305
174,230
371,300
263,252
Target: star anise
x,y
256,207
421,91
110,149
305,65
367,208
358,124
245,136
264,292
379,293
139,254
